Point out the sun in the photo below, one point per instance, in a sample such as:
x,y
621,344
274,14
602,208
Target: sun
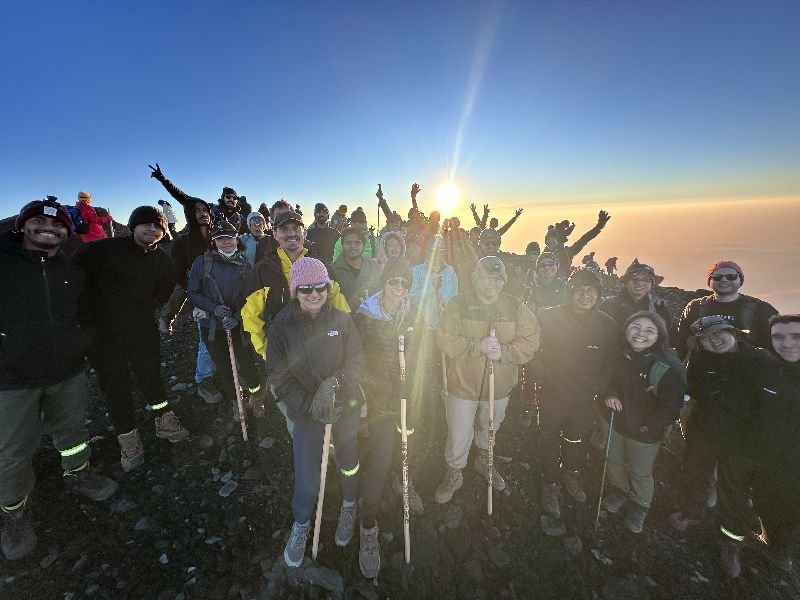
x,y
447,197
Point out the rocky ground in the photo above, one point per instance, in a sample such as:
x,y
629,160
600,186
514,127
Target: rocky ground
x,y
208,518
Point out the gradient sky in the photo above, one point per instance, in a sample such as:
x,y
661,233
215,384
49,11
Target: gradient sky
x,y
652,110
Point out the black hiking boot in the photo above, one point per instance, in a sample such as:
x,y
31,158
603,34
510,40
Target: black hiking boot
x,y
18,538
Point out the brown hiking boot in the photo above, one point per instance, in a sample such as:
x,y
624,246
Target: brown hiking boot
x,y
729,557
480,466
369,553
551,493
18,539
415,504
168,427
572,483
209,393
131,450
450,484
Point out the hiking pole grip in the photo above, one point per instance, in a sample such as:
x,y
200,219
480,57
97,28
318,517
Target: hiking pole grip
x,y
323,472
239,403
490,457
603,477
404,446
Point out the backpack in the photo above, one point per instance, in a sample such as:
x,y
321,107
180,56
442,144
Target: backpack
x,y
77,220
657,371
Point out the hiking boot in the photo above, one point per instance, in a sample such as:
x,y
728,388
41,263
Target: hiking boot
x,y
450,484
168,427
209,393
87,482
729,557
131,450
369,554
164,327
414,501
551,493
258,401
18,538
681,522
634,519
615,500
295,549
480,466
347,525
572,482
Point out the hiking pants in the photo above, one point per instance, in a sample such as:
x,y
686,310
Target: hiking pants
x,y
564,430
700,460
468,424
113,358
245,360
174,304
735,474
205,367
307,448
776,500
58,410
630,467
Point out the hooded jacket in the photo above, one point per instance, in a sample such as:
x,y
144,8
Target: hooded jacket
x,y
41,341
324,240
355,283
304,351
779,418
230,277
465,322
383,257
623,306
93,222
186,247
429,298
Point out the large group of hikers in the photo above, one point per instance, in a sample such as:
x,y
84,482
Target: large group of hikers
x,y
342,326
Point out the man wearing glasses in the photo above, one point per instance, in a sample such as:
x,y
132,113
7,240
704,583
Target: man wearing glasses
x,y
744,312
637,294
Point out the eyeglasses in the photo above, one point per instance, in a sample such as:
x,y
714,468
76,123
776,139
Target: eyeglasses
x,y
402,281
231,196
640,280
307,289
728,276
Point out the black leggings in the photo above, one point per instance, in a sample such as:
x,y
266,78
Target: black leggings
x,y
245,359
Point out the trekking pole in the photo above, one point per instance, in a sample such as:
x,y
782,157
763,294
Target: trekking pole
x,y
444,379
239,403
404,446
603,478
323,472
490,459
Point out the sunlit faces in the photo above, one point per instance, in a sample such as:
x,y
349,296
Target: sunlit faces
x,y
147,234
488,287
43,233
257,226
641,334
201,214
725,281
396,288
584,297
638,285
393,247
226,245
312,297
718,342
786,340
290,236
489,245
352,246
547,269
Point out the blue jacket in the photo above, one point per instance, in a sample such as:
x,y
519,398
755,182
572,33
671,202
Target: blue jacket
x,y
423,292
229,277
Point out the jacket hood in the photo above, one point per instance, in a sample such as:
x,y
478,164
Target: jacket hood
x,y
391,234
371,308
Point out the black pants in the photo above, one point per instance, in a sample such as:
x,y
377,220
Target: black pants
x,y
564,430
245,359
113,358
776,500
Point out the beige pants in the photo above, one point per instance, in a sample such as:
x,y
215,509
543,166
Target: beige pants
x,y
468,423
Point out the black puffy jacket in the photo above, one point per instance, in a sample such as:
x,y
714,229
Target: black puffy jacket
x,y
779,419
41,342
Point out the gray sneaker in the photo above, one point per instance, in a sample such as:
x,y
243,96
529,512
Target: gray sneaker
x,y
347,525
209,393
18,538
572,483
450,484
614,500
415,504
369,554
634,519
89,483
551,493
295,549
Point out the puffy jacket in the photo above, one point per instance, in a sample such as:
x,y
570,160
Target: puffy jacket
x,y
623,306
304,351
354,285
324,240
230,277
646,413
380,342
186,247
267,292
124,285
429,298
465,322
41,342
93,222
540,293
779,420
579,353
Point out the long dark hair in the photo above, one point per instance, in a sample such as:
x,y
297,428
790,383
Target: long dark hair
x,y
661,349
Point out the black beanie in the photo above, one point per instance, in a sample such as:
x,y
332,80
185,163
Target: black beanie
x,y
319,206
396,267
585,277
147,214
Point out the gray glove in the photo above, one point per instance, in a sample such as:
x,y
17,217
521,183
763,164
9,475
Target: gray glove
x,y
229,323
322,407
222,311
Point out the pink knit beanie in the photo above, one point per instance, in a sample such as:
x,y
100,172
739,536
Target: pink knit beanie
x,y
307,271
721,264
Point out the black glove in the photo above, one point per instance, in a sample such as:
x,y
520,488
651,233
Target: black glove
x,y
229,323
322,407
157,174
222,311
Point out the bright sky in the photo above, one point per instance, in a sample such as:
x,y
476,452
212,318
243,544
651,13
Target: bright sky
x,y
669,115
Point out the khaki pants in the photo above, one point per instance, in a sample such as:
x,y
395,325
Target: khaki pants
x,y
468,423
630,468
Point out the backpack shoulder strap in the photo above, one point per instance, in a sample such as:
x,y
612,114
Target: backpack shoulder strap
x,y
748,310
208,263
657,370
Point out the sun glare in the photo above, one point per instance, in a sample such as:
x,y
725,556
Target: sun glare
x,y
447,197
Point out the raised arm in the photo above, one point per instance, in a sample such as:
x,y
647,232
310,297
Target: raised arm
x,y
475,215
602,218
179,195
384,206
415,189
508,225
485,217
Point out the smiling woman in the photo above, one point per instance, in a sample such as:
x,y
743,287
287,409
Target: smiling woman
x,y
447,197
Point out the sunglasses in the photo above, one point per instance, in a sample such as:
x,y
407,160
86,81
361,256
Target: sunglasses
x,y
728,276
402,281
307,289
547,264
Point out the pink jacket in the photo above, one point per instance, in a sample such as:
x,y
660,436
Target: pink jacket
x,y
92,221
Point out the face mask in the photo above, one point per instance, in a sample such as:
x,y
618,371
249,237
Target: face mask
x,y
227,254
